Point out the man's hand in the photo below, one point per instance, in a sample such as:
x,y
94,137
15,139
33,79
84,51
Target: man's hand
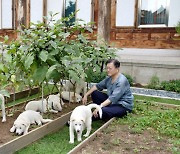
x,y
95,113
84,100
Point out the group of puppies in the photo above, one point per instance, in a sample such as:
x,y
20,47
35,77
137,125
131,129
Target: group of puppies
x,y
32,115
80,118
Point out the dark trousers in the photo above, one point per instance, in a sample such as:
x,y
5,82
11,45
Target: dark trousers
x,y
110,111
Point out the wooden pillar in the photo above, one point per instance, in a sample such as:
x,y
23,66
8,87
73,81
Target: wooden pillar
x,y
21,12
104,21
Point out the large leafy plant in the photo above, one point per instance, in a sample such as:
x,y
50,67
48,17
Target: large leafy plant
x,y
54,51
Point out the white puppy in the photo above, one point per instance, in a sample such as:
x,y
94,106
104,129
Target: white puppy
x,y
80,87
3,108
80,119
54,103
71,96
25,119
37,106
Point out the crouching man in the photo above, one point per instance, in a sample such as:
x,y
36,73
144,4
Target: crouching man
x,y
118,100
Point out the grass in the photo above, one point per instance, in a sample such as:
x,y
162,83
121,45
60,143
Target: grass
x,y
147,116
156,99
55,143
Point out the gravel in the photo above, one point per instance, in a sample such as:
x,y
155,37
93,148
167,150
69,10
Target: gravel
x,y
155,93
152,92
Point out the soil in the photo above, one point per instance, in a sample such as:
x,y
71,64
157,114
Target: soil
x,y
5,134
119,139
115,139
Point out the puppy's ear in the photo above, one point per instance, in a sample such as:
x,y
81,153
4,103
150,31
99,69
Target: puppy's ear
x,y
72,120
25,124
83,121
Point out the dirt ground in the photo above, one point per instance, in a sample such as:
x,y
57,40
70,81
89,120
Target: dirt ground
x,y
5,134
115,139
119,139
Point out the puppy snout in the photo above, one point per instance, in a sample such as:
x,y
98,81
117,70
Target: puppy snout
x,y
78,131
18,133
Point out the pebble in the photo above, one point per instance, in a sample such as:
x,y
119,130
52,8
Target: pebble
x,y
156,93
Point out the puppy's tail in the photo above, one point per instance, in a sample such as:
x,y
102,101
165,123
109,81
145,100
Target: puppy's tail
x,y
3,108
97,107
46,120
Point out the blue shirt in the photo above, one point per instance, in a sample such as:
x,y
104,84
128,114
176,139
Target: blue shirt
x,y
119,92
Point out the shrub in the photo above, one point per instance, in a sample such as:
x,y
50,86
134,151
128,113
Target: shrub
x,y
178,27
172,85
130,79
95,76
154,83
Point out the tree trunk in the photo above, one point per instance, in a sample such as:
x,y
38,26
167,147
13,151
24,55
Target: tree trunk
x,y
104,21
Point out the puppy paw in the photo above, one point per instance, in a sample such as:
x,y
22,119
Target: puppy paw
x,y
4,120
79,140
12,130
85,135
71,142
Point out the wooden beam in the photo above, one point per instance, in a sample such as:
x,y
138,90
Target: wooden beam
x,y
44,10
104,21
27,13
136,14
21,14
113,13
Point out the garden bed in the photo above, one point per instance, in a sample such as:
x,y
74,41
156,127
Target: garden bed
x,y
9,142
150,129
6,136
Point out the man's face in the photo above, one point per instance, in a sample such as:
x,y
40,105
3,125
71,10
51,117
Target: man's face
x,y
111,70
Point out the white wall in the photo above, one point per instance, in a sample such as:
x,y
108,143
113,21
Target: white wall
x,y
56,6
174,13
84,7
6,21
125,12
36,11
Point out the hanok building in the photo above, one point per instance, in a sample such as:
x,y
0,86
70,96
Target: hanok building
x,y
145,29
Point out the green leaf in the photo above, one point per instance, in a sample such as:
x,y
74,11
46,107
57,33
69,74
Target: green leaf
x,y
1,67
5,93
53,44
50,70
29,61
43,55
40,74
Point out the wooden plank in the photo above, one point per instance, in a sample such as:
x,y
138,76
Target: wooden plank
x,y
140,36
90,138
24,140
157,44
160,36
124,36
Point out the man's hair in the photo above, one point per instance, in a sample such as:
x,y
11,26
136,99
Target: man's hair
x,y
115,62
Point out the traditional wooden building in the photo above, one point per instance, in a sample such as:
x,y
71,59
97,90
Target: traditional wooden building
x,y
129,24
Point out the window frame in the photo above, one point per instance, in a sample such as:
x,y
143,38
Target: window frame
x,y
153,25
13,16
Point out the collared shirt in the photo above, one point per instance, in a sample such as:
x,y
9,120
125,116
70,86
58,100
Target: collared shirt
x,y
119,91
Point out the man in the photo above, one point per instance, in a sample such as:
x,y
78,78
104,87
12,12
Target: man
x,y
118,100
